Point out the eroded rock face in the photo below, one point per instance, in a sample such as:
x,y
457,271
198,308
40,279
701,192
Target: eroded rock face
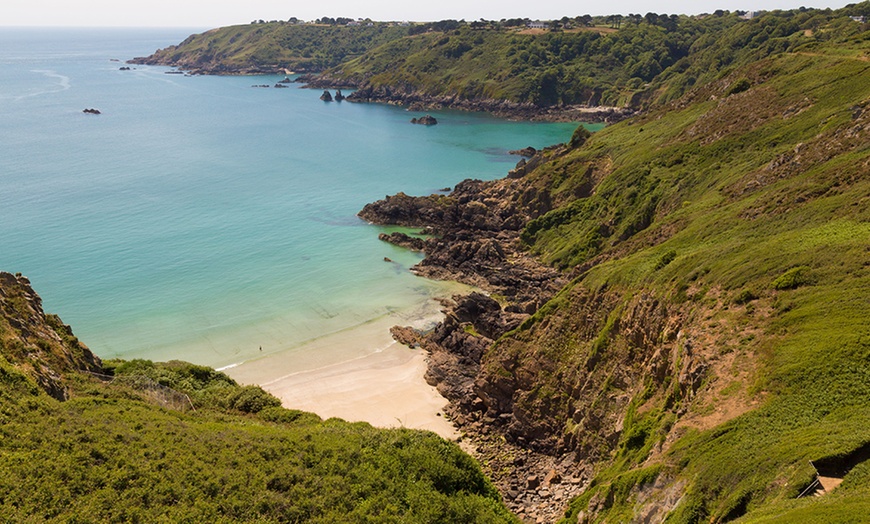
x,y
578,368
39,345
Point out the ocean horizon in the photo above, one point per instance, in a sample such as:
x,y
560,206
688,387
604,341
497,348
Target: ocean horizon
x,y
200,218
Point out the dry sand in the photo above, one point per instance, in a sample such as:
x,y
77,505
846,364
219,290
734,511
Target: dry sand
x,y
360,374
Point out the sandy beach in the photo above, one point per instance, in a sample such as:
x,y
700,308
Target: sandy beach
x,y
360,374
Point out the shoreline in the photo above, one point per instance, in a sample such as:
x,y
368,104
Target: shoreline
x,y
417,101
359,374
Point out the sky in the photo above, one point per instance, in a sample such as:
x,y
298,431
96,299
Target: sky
x,y
216,13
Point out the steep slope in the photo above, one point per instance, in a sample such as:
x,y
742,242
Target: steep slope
x,y
552,74
713,338
272,47
650,59
144,442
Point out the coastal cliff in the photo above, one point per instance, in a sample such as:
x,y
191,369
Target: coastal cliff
x,y
40,346
270,48
658,329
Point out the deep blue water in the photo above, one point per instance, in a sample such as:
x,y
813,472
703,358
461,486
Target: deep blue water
x,y
201,218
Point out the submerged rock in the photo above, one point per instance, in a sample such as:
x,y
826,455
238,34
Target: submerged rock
x,y
92,111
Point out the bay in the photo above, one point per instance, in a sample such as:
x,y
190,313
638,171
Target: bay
x,y
203,219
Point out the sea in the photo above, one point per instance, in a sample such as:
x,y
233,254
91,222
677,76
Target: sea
x,y
203,219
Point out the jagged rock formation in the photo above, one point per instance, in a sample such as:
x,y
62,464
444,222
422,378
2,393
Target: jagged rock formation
x,y
427,120
39,345
326,96
666,345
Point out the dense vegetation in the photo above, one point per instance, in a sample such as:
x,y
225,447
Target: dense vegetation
x,y
648,58
174,442
274,46
716,338
655,57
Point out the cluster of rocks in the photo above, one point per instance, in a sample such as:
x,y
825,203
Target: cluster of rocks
x,y
327,96
471,235
92,111
427,120
539,486
418,101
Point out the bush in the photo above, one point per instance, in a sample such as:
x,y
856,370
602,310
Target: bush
x,y
793,278
666,259
580,136
251,399
739,87
745,297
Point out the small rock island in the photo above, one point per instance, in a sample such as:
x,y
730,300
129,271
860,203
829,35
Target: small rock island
x,y
427,120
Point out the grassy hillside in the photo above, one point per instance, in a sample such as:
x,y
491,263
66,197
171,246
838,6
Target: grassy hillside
x,y
273,46
650,59
144,442
716,336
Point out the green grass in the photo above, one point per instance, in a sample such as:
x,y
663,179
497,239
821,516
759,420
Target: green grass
x,y
742,207
140,441
108,456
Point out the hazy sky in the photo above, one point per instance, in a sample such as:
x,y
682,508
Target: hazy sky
x,y
214,13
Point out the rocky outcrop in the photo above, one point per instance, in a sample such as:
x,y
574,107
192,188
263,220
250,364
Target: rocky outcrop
x,y
91,111
404,240
339,96
37,344
509,389
419,101
527,152
326,96
416,100
427,120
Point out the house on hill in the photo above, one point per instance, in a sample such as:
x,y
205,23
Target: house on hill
x,y
537,24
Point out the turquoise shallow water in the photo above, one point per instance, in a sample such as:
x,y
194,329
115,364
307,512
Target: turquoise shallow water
x,y
200,218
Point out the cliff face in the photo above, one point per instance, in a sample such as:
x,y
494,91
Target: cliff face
x,y
688,339
39,345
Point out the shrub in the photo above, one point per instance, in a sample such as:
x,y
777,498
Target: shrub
x,y
251,399
666,259
745,297
793,278
739,87
580,136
